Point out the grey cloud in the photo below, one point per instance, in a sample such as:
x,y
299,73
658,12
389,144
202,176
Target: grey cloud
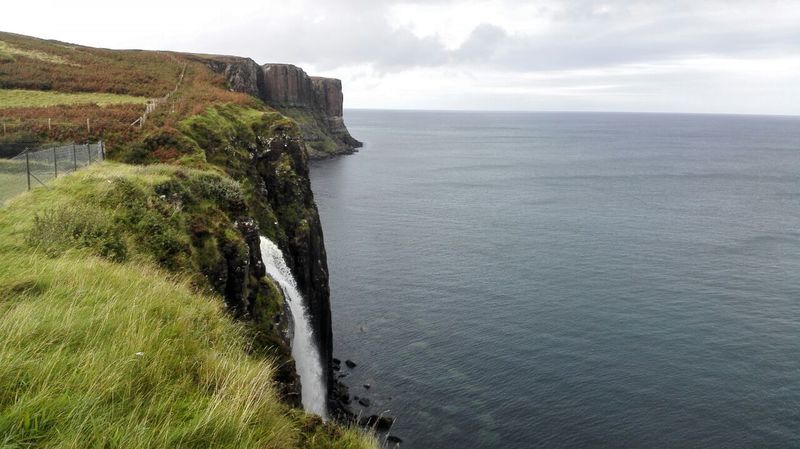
x,y
483,44
357,32
337,37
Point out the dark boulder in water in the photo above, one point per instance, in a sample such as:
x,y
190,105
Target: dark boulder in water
x,y
350,364
364,401
394,439
380,423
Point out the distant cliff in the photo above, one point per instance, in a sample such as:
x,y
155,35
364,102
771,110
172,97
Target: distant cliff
x,y
315,103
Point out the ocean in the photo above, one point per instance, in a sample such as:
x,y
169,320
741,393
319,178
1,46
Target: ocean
x,y
569,280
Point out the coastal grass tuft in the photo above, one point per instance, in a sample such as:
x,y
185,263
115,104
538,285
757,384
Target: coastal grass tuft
x,y
116,352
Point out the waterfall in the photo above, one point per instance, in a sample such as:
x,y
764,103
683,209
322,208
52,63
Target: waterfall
x,y
304,350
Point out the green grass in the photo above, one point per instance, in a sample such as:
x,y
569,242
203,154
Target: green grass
x,y
95,353
14,180
9,52
21,98
12,184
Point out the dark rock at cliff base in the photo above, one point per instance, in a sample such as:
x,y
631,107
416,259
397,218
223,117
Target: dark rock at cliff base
x,y
379,423
341,393
342,375
336,361
350,364
339,403
365,402
367,386
394,439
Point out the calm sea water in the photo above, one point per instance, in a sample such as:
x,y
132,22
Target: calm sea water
x,y
570,280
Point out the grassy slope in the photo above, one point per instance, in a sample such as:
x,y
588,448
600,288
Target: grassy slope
x,y
21,98
95,353
30,63
12,184
50,66
13,179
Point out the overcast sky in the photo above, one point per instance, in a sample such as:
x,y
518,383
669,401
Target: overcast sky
x,y
725,56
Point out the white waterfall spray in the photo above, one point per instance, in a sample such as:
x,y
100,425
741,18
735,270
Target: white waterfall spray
x,y
304,350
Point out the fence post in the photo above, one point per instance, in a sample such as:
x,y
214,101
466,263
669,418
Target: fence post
x,y
102,150
28,167
89,152
74,157
55,162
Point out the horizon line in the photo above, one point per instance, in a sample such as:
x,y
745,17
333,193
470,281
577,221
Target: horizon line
x,y
543,111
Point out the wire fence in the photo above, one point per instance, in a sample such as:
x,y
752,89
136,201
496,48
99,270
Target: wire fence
x,y
33,168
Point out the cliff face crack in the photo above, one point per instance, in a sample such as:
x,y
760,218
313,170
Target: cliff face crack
x,y
304,348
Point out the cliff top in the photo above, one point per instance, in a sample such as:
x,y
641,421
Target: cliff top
x,y
193,82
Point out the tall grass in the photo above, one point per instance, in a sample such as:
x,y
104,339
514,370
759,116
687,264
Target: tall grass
x,y
97,354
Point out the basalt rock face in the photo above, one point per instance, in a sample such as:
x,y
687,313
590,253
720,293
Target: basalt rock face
x,y
288,86
303,246
267,155
328,95
277,169
315,103
242,74
330,100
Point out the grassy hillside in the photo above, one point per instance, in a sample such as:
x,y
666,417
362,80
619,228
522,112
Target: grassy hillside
x,y
106,341
134,311
30,63
69,84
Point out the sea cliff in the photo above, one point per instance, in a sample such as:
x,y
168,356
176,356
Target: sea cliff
x,y
314,103
221,160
